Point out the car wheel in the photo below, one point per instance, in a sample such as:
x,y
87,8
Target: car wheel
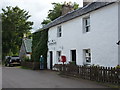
x,y
5,64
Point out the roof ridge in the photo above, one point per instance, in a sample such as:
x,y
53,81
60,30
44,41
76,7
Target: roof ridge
x,y
76,13
28,44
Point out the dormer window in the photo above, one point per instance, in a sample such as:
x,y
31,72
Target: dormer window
x,y
59,31
86,24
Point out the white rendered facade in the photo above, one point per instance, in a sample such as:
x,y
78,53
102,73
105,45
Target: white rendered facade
x,y
101,39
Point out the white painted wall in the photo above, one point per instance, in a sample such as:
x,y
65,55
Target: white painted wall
x,y
104,33
101,39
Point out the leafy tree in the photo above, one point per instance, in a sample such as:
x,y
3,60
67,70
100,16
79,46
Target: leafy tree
x,y
75,6
57,11
14,24
45,21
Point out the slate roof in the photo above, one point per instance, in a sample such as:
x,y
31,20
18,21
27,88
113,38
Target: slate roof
x,y
28,44
76,13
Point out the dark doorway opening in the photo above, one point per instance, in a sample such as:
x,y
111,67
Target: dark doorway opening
x,y
73,56
51,59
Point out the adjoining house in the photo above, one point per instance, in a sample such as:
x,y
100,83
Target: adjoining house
x,y
26,50
86,36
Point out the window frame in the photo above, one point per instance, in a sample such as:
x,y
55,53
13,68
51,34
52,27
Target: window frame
x,y
59,31
87,56
59,55
86,24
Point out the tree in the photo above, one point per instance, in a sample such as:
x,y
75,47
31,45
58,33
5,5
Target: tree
x,y
14,24
45,21
57,11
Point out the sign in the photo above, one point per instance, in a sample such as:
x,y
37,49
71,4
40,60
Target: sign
x,y
52,42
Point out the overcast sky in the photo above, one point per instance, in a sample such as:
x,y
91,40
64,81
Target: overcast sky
x,y
37,8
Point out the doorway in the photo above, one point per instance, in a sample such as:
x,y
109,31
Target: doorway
x,y
73,56
51,59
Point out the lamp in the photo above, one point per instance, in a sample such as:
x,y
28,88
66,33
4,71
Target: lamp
x,y
118,43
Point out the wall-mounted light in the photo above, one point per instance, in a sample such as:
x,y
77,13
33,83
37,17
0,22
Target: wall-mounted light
x,y
118,43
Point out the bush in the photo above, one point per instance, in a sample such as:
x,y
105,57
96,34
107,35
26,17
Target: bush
x,y
26,59
72,63
118,66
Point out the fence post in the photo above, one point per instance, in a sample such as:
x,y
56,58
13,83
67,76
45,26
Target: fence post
x,y
101,74
118,72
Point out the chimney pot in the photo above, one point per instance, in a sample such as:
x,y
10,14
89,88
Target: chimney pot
x,y
67,8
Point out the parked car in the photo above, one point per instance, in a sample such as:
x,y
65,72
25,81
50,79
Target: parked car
x,y
12,60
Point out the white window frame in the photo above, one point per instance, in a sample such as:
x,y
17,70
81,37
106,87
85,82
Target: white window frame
x,y
87,56
58,55
86,24
59,31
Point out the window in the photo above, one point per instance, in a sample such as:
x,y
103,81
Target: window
x,y
87,56
86,24
58,55
59,31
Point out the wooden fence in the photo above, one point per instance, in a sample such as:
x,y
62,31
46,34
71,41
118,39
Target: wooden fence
x,y
100,74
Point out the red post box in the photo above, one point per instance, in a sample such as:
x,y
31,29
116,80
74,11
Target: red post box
x,y
63,59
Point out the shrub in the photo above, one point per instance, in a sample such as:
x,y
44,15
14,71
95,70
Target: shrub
x,y
118,66
72,63
26,59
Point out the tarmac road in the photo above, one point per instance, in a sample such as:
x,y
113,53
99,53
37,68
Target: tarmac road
x,y
13,77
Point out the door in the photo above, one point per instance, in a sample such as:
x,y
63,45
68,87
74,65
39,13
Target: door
x,y
51,59
73,55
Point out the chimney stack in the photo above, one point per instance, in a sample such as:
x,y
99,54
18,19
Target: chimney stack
x,y
67,8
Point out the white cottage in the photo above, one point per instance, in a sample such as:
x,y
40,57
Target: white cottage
x,y
88,35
